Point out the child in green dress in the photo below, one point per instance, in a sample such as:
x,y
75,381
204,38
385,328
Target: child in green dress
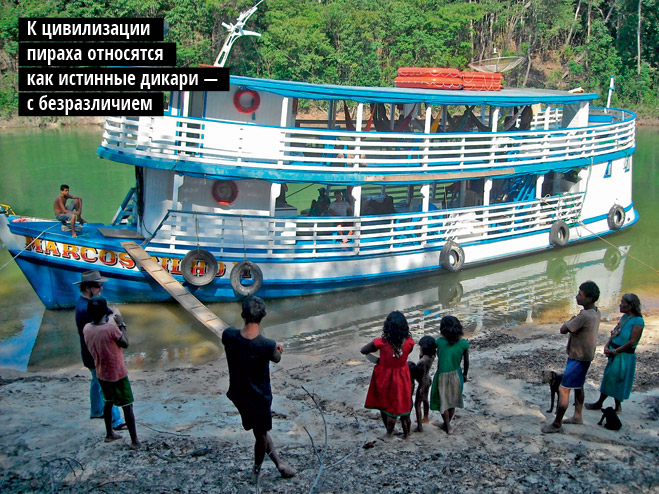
x,y
447,385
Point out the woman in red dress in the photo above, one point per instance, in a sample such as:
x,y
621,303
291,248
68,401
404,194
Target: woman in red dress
x,y
390,390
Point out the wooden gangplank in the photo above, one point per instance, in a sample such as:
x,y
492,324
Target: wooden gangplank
x,y
188,301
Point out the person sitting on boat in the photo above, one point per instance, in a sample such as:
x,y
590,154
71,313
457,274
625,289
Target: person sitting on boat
x,y
525,119
341,207
68,207
314,209
323,202
281,200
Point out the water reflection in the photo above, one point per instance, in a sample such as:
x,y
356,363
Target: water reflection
x,y
540,287
16,350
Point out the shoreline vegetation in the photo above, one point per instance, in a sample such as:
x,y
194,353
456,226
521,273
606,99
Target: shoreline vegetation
x,y
561,45
193,440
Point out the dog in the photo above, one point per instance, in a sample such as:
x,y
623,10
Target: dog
x,y
610,419
554,380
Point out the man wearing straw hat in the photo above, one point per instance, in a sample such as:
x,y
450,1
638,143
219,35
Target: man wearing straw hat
x,y
91,285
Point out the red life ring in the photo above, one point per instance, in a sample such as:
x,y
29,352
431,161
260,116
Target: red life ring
x,y
253,106
428,72
429,82
225,192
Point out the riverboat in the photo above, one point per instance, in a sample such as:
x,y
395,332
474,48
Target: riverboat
x,y
426,181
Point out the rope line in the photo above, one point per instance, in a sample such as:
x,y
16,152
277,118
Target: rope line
x,y
581,223
196,229
619,249
28,246
242,231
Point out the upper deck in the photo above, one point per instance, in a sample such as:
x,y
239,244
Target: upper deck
x,y
223,143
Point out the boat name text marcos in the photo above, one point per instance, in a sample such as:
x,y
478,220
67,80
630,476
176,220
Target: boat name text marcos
x,y
107,257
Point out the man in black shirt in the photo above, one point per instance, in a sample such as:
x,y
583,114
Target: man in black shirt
x,y
249,355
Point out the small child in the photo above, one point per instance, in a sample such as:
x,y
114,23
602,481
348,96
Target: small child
x,y
447,385
390,390
421,373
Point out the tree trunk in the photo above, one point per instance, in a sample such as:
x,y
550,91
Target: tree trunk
x,y
528,60
576,16
638,39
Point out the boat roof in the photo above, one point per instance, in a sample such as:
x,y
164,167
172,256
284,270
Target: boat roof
x,y
505,97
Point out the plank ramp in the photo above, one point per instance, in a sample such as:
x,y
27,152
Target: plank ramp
x,y
188,301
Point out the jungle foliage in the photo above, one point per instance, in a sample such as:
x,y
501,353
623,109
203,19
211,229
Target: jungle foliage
x,y
565,43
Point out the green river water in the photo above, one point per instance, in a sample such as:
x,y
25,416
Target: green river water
x,y
539,287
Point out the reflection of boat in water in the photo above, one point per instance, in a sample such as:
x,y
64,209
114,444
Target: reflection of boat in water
x,y
15,351
423,192
485,295
157,338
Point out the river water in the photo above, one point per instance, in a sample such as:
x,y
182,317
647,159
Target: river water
x,y
539,287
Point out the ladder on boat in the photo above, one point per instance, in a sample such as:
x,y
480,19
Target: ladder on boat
x,y
127,212
188,301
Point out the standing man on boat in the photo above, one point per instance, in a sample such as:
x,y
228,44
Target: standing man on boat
x,y
66,211
91,285
249,355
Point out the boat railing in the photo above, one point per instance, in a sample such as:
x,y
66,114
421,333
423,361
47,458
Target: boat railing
x,y
236,236
230,144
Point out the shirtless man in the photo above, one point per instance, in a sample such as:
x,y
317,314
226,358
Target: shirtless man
x,y
73,210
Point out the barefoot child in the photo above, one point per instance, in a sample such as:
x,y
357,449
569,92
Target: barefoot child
x,y
390,390
447,385
421,374
105,341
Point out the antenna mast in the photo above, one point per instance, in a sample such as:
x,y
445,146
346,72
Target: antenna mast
x,y
235,32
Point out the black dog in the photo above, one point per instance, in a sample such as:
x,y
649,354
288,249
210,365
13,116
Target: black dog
x,y
610,419
554,380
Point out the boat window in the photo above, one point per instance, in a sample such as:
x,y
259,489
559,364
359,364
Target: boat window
x,y
463,194
310,199
558,183
197,103
609,169
513,189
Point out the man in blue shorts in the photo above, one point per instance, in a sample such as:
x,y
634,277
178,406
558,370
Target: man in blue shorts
x,y
581,343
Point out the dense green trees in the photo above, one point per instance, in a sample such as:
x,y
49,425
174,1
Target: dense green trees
x,y
566,43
